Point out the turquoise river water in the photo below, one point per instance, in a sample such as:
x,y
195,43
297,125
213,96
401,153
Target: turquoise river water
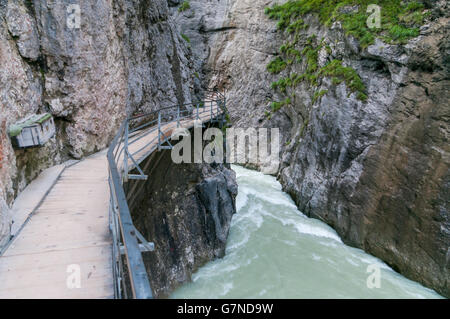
x,y
274,251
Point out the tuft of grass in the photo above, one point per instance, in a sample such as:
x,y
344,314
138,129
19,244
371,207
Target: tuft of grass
x,y
276,65
275,106
185,38
184,6
339,73
401,34
318,95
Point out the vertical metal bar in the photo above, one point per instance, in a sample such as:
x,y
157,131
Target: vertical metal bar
x,y
198,104
125,155
159,130
178,116
211,110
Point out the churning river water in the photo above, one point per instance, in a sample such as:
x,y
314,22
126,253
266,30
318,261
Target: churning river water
x,y
274,251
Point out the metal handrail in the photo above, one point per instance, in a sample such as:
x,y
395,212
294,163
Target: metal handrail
x,y
126,237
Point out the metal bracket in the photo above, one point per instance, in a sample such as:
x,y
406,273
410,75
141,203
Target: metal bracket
x,y
160,147
143,246
141,175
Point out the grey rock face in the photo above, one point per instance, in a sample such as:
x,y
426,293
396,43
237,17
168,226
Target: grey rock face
x,y
203,23
22,26
216,197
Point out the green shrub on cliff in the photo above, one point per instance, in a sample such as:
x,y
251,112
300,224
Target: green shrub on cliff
x,y
339,73
185,38
184,6
276,65
278,105
318,95
399,19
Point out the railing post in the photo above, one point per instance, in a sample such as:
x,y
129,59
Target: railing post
x,y
159,130
125,155
198,104
178,116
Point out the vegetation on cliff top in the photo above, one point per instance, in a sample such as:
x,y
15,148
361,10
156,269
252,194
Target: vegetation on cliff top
x,y
400,21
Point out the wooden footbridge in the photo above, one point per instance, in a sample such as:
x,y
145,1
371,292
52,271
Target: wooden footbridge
x,y
80,242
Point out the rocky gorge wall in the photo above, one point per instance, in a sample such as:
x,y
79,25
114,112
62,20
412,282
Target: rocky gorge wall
x,y
126,56
375,169
373,163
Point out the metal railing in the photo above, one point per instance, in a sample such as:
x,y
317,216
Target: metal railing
x,y
128,243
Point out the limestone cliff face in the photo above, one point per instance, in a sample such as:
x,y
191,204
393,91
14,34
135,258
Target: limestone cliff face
x,y
375,170
126,56
186,210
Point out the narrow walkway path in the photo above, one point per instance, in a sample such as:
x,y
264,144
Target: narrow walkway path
x,y
71,227
70,231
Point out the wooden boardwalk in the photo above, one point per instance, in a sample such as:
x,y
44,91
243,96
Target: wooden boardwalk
x,y
70,231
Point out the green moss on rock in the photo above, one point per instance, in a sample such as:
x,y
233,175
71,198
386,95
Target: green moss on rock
x,y
400,20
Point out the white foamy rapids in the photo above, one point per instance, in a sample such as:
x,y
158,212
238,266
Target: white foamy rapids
x,y
368,259
226,288
306,226
352,262
213,269
273,198
239,244
241,200
316,257
228,264
315,231
245,175
249,217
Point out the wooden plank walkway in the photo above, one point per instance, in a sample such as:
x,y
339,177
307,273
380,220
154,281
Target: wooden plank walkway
x,y
71,227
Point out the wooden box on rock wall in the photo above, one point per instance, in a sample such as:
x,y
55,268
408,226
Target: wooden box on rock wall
x,y
34,130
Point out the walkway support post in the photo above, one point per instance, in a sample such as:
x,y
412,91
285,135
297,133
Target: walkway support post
x,y
159,130
125,155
